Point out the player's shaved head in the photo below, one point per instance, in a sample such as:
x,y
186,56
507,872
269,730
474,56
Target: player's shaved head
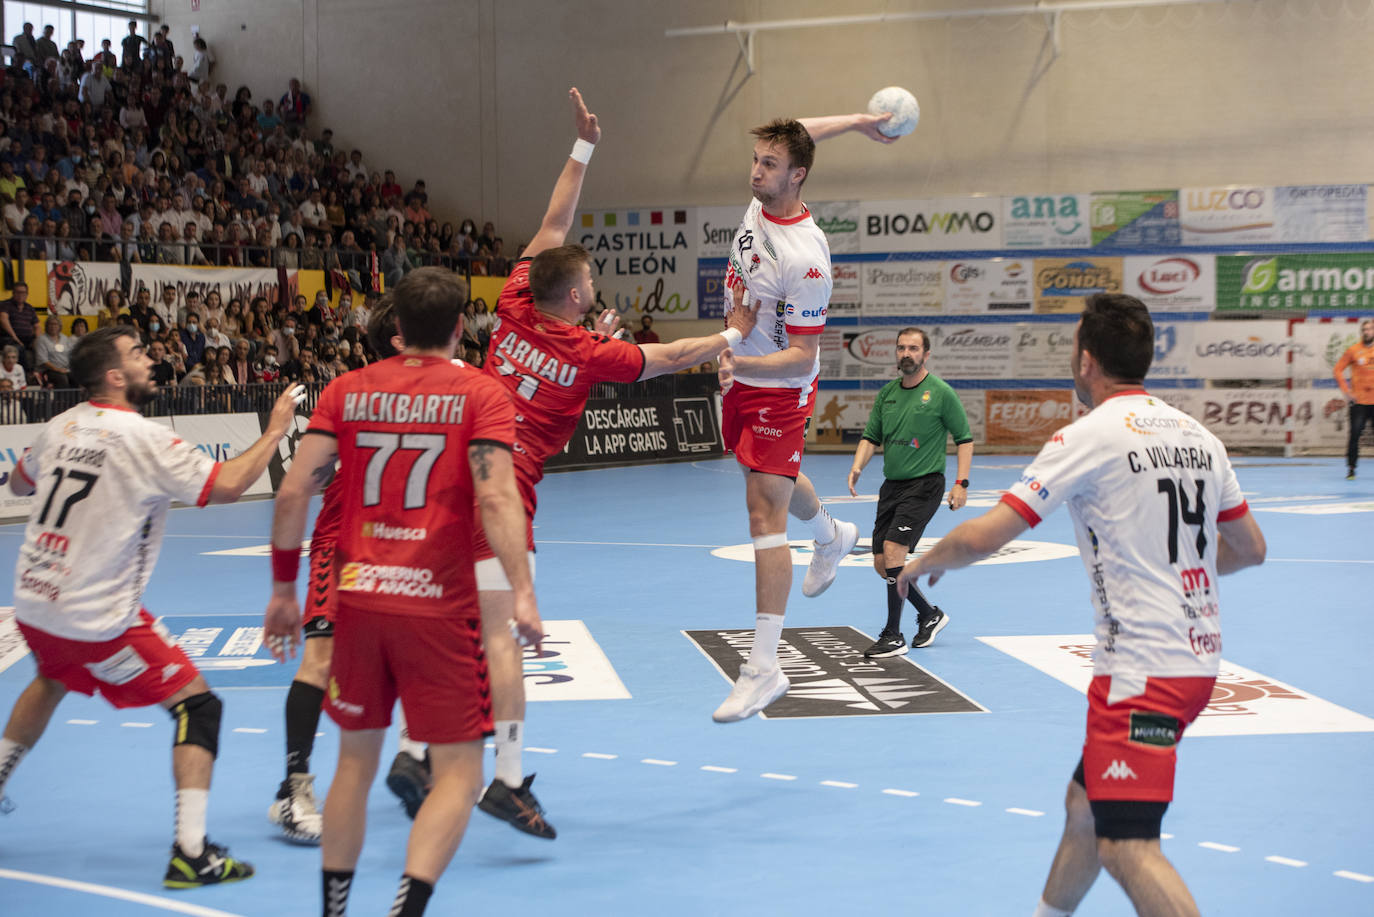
x,y
429,303
792,136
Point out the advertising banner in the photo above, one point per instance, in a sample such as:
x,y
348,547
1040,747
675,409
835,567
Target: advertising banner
x,y
839,220
1047,221
14,439
841,415
970,351
1227,215
1173,283
1319,345
79,287
1026,417
870,353
1241,416
1240,350
1134,219
231,282
996,286
846,293
1062,284
222,437
1173,351
1041,350
644,261
901,288
1298,282
940,224
715,231
643,429
1322,213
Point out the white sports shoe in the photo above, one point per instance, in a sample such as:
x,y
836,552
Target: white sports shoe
x,y
297,813
754,690
825,559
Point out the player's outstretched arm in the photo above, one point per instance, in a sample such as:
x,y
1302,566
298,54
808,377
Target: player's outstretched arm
x,y
311,466
661,359
237,475
558,218
1240,544
967,544
827,126
503,520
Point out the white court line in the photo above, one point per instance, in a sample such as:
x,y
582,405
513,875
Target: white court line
x,y
1030,812
719,770
1285,861
137,725
658,762
1166,837
901,792
541,751
840,784
107,891
600,756
1357,876
82,722
634,544
956,801
1212,845
250,730
1314,560
778,776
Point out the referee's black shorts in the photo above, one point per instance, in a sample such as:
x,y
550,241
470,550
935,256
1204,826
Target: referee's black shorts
x,y
905,509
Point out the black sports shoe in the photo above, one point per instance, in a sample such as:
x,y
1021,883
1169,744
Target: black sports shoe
x,y
517,806
410,780
212,867
1350,474
925,633
890,643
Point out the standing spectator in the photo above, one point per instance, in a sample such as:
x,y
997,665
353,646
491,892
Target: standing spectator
x,y
46,48
95,88
26,49
52,353
106,57
18,321
294,107
202,62
912,418
131,47
1359,359
10,370
395,262
646,333
1154,563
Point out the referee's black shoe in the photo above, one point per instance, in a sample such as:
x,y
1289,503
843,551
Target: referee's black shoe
x,y
890,643
929,627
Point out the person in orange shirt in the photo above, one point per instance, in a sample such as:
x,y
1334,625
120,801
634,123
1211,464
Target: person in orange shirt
x,y
1359,359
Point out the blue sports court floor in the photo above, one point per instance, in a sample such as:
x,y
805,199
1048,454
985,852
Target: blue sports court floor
x,y
858,803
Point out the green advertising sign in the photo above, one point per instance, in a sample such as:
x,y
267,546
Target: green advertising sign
x,y
1295,283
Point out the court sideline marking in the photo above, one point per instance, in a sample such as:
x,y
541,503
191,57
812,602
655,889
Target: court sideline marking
x,y
109,891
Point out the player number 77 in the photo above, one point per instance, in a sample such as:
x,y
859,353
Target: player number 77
x,y
429,445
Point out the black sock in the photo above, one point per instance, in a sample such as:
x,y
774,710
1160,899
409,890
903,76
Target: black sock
x,y
411,897
923,607
894,601
337,884
303,704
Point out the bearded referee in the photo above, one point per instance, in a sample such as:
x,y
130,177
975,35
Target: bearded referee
x,y
911,419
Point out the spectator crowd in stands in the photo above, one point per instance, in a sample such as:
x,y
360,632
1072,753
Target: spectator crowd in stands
x,y
139,160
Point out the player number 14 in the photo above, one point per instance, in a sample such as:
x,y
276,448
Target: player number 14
x,y
1179,509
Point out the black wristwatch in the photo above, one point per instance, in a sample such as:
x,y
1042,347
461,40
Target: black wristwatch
x,y
963,483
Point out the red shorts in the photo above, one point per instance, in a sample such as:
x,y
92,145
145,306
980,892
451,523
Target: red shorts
x,y
320,598
1132,745
481,550
435,665
139,668
766,427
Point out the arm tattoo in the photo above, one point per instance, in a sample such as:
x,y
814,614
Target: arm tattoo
x,y
479,456
321,475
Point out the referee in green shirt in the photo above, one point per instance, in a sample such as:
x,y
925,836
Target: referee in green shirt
x,y
910,420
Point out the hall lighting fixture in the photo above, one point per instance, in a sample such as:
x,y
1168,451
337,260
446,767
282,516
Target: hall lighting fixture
x,y
744,32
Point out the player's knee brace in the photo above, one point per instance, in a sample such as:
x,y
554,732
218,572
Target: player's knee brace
x,y
197,722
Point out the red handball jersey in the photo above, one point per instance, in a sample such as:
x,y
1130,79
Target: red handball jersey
x,y
549,367
404,542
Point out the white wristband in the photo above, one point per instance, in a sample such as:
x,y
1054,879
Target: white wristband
x,y
732,337
582,151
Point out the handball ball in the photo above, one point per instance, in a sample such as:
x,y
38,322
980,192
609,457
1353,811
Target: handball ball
x,y
906,111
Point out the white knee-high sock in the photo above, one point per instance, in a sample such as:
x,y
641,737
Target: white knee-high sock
x,y
510,741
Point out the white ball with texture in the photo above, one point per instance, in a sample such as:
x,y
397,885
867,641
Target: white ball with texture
x,y
906,111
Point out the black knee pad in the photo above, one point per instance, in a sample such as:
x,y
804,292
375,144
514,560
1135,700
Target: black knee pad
x,y
197,722
1127,819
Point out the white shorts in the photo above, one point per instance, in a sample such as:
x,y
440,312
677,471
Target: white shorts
x,y
491,576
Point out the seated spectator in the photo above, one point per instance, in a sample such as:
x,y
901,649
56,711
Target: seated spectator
x,y
52,353
239,362
164,372
11,408
646,333
498,265
18,321
215,336
267,369
11,371
79,330
16,209
193,342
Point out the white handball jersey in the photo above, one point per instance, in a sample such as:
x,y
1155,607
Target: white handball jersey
x,y
1146,485
786,264
105,476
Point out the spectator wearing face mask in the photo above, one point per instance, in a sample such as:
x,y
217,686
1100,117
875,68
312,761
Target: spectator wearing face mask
x,y
193,341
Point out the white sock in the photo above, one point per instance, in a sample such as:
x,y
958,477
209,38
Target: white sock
x,y
11,753
1044,910
510,739
822,527
408,745
191,806
767,633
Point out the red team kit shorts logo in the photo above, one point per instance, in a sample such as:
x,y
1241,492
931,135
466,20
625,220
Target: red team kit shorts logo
x,y
766,427
1132,745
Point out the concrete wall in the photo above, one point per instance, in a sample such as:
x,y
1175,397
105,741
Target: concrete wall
x,y
469,94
